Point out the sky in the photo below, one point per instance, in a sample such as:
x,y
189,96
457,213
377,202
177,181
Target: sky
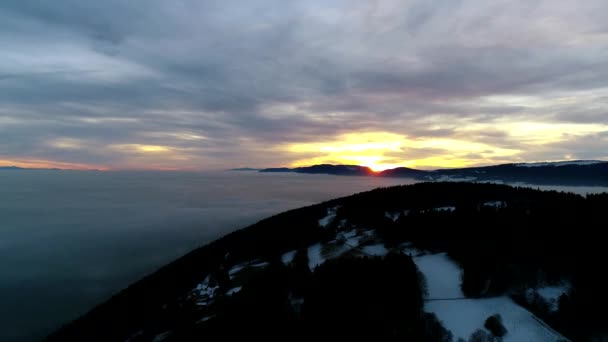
x,y
209,85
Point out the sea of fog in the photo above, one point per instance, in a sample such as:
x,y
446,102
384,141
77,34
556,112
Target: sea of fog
x,y
70,239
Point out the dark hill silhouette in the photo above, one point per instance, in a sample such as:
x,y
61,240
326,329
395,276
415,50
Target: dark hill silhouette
x,y
341,170
578,172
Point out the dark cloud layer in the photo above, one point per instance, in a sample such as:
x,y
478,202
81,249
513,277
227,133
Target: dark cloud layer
x,y
213,84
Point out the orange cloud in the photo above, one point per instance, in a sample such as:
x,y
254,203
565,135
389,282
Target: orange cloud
x,y
49,164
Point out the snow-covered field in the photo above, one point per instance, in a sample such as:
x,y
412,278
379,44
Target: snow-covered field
x,y
442,276
463,316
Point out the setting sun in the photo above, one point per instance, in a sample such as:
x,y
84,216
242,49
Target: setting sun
x,y
381,150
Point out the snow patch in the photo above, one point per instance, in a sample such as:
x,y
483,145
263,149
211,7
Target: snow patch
x,y
259,264
450,209
409,249
348,235
238,268
234,290
369,233
296,302
161,337
206,291
287,258
494,204
375,250
393,216
314,256
135,336
353,241
204,319
331,216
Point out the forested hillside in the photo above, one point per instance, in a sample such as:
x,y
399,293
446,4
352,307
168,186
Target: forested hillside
x,y
351,267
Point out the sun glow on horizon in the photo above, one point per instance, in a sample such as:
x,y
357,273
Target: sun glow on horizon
x,y
466,146
380,151
441,146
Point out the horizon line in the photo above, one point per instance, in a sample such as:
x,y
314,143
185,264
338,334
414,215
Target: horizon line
x,y
175,169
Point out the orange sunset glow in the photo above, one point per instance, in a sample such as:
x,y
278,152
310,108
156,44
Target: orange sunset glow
x,y
49,164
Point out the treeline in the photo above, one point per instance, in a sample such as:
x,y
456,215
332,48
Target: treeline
x,y
506,240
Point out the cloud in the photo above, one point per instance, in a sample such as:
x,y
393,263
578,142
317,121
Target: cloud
x,y
254,76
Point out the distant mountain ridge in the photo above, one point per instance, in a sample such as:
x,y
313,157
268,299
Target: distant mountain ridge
x,y
572,172
342,170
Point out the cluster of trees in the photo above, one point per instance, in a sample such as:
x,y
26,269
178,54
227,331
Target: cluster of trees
x,y
347,298
537,238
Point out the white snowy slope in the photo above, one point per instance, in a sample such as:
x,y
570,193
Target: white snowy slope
x,y
442,276
315,258
463,316
327,220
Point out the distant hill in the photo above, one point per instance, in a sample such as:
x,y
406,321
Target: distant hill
x,y
341,170
244,169
577,172
403,172
11,168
